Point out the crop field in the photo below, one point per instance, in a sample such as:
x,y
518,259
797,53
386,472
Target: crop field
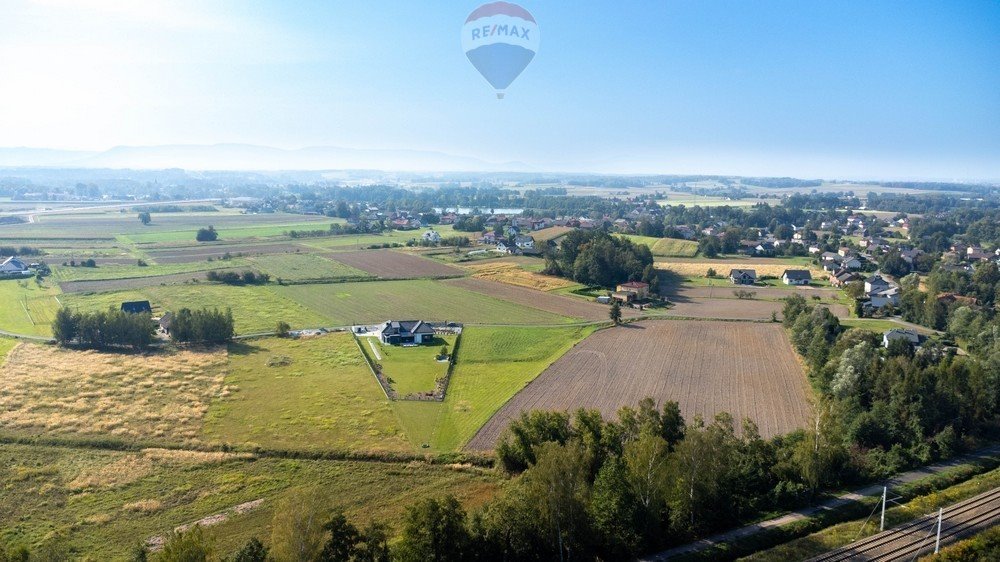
x,y
134,271
52,391
514,274
367,303
548,301
412,370
305,267
725,309
550,233
105,285
27,307
102,502
669,247
204,252
388,264
769,267
723,289
312,393
748,370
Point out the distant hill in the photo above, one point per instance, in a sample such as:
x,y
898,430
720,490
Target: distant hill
x,y
250,157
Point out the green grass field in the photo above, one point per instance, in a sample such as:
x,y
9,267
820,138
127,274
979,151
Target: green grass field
x,y
305,267
354,242
493,365
228,233
412,370
668,247
372,302
62,274
98,504
311,393
6,344
28,308
255,308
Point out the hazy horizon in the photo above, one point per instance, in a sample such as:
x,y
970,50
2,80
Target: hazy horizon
x,y
907,90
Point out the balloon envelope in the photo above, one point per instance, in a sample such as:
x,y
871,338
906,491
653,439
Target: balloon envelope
x,y
500,40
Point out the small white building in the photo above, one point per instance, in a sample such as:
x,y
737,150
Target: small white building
x,y
796,277
432,236
525,242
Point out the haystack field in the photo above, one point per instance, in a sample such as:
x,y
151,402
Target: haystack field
x,y
395,265
47,390
763,266
514,274
746,369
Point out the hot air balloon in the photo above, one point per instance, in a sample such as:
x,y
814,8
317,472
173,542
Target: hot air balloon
x,y
500,40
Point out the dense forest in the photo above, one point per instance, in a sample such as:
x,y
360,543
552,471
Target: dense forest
x,y
596,258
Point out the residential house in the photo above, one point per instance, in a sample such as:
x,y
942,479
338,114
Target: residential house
x,y
137,307
876,283
884,297
489,238
524,242
842,277
743,276
400,332
909,336
431,236
639,289
503,247
13,266
165,322
796,277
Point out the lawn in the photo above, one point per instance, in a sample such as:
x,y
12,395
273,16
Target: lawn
x,y
412,369
99,504
229,232
493,364
28,308
373,302
872,324
305,267
312,393
255,308
6,344
360,242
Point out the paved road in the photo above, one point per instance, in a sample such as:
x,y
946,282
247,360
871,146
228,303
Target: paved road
x,y
857,495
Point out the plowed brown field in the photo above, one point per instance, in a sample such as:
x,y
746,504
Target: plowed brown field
x,y
395,265
746,369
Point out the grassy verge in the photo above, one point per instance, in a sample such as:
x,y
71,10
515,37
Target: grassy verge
x,y
97,504
412,370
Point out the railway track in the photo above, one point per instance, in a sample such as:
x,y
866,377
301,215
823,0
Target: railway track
x,y
909,541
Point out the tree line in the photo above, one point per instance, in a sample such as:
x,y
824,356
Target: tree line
x,y
116,329
236,278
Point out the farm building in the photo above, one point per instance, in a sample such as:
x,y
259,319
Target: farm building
x,y
796,277
13,267
743,276
137,307
638,289
908,335
397,332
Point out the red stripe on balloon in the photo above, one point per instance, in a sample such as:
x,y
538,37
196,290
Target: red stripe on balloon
x,y
500,9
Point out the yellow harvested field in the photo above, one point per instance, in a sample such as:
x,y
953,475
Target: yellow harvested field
x,y
48,390
700,268
550,233
123,470
512,274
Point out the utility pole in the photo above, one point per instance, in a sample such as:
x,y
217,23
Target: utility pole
x,y
885,491
937,543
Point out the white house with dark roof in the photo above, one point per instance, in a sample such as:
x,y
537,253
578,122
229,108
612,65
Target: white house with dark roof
x,y
12,267
400,332
743,276
909,336
796,277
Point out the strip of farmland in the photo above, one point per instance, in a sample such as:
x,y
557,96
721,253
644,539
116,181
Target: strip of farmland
x,y
549,302
395,265
746,369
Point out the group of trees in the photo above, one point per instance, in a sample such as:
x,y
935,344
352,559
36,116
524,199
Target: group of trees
x,y
597,258
207,234
102,330
235,278
894,407
203,326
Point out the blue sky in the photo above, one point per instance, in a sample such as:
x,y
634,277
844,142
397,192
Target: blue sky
x,y
819,89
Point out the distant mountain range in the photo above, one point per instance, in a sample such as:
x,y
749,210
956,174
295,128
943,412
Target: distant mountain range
x,y
250,157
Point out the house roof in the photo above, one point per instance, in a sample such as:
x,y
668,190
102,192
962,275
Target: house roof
x,y
635,285
741,272
797,274
897,333
136,307
395,327
13,262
